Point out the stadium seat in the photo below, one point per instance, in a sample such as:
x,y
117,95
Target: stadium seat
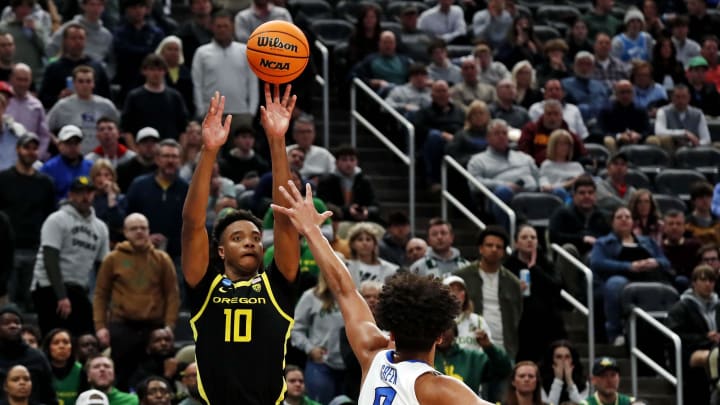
x,y
244,199
598,154
524,10
391,26
312,9
705,159
655,298
183,331
634,177
669,202
535,208
551,14
394,9
545,33
331,31
458,51
648,158
677,182
349,10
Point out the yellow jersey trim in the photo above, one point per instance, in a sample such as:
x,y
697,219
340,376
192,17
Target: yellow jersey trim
x,y
291,323
194,319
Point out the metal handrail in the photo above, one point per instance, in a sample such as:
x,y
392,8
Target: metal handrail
x,y
446,195
588,311
408,159
635,354
324,81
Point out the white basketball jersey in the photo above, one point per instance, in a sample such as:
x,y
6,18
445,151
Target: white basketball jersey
x,y
389,383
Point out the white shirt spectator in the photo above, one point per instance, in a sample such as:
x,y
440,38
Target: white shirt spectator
x,y
447,26
571,115
247,20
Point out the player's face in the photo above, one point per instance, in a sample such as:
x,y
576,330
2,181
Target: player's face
x,y
295,384
60,347
525,379
101,373
241,247
158,393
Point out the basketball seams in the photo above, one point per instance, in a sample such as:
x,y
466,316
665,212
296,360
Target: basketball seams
x,y
275,54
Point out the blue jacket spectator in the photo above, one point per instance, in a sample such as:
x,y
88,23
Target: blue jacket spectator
x,y
69,164
589,95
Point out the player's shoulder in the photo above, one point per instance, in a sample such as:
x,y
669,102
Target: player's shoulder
x,y
438,389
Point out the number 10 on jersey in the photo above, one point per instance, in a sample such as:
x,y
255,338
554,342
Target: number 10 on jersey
x,y
234,319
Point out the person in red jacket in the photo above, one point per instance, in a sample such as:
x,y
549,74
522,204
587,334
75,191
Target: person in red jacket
x,y
535,135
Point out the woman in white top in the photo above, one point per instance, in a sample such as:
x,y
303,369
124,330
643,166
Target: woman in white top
x,y
468,322
563,377
558,172
364,263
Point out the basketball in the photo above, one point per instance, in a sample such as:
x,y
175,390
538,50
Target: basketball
x,y
277,52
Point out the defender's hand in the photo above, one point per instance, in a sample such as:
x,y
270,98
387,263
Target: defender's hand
x,y
275,115
301,211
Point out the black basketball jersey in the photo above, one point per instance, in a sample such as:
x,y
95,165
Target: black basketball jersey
x,y
241,331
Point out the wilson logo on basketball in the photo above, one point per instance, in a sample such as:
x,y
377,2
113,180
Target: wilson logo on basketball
x,y
274,65
271,42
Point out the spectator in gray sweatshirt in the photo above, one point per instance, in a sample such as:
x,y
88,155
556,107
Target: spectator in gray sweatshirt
x,y
413,95
318,322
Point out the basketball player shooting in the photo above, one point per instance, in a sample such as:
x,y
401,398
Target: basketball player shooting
x,y
416,310
242,316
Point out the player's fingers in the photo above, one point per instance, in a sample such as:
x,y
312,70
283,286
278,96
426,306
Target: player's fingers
x,y
211,107
280,209
221,106
291,105
325,215
286,96
276,93
228,122
308,192
295,192
285,194
268,99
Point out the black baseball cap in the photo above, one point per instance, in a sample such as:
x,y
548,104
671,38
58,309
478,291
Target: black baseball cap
x,y
26,138
604,364
81,183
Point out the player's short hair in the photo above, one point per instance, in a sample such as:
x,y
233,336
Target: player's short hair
x,y
225,219
142,387
416,309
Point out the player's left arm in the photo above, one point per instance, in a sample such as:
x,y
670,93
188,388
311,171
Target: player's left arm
x,y
363,334
275,118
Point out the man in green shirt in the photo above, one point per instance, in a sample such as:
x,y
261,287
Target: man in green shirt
x,y
101,376
471,366
606,380
600,19
295,381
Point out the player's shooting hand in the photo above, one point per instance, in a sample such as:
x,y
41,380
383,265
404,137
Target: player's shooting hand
x,y
275,115
214,131
64,308
301,211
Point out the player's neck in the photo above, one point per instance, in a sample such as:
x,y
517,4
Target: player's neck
x,y
239,274
426,357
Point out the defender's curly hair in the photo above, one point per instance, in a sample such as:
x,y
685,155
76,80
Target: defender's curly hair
x,y
416,309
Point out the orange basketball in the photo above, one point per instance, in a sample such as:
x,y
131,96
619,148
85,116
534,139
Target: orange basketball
x,y
278,52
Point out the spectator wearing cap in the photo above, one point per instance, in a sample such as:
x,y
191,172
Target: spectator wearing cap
x,y
242,158
703,94
614,190
489,71
143,162
470,88
92,397
413,42
69,164
54,82
82,108
570,112
685,48
679,123
588,94
110,148
27,196
634,43
154,104
440,67
392,244
492,24
504,106
134,39
148,289
606,381
73,242
622,122
601,19
13,351
445,21
10,131
410,97
608,68
26,109
160,197
695,318
470,326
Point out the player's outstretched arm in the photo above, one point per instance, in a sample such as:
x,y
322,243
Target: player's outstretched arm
x,y
275,118
195,244
364,336
433,389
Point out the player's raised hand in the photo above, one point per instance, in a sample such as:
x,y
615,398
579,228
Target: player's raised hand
x,y
275,115
214,131
301,211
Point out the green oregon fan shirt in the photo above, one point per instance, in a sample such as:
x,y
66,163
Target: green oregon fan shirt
x,y
241,332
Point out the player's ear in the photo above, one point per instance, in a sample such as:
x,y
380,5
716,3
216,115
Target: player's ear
x,y
221,252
